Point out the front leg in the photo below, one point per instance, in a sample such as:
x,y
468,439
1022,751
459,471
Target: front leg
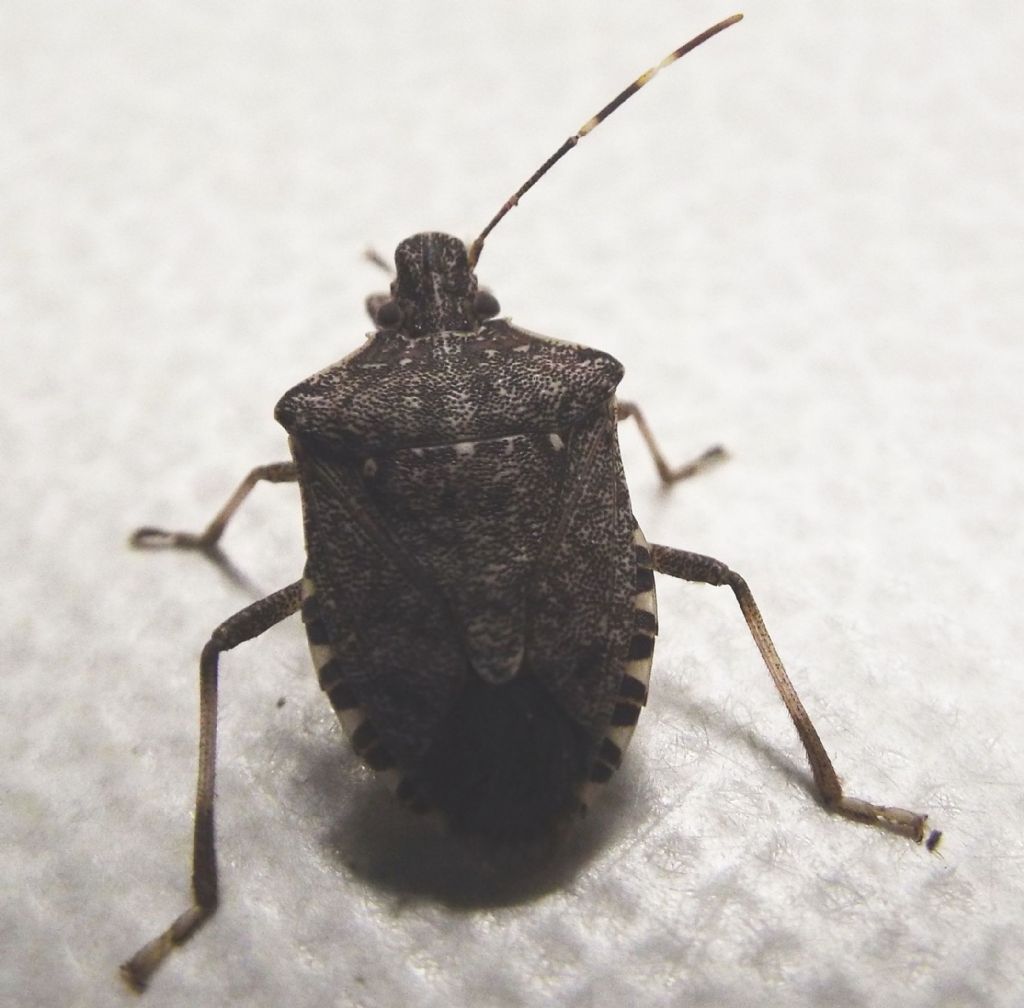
x,y
668,474
207,540
703,569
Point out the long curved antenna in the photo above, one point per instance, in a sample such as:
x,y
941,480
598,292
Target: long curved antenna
x,y
592,123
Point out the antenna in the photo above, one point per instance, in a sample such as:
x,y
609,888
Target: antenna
x,y
592,123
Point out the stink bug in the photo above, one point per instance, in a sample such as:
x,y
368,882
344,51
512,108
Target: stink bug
x,y
478,597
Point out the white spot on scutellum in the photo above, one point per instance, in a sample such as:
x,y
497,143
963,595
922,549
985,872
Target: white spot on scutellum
x,y
556,441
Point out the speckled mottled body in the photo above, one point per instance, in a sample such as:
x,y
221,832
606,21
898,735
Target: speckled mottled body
x,y
478,597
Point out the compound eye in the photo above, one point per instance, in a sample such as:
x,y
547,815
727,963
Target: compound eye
x,y
389,315
485,304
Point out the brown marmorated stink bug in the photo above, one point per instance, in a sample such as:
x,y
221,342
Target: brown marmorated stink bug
x,y
478,597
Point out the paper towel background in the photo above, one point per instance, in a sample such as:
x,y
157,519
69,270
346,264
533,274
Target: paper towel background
x,y
805,241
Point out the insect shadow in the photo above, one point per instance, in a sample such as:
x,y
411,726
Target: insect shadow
x,y
372,837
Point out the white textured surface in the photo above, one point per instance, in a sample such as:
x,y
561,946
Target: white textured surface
x,y
805,240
